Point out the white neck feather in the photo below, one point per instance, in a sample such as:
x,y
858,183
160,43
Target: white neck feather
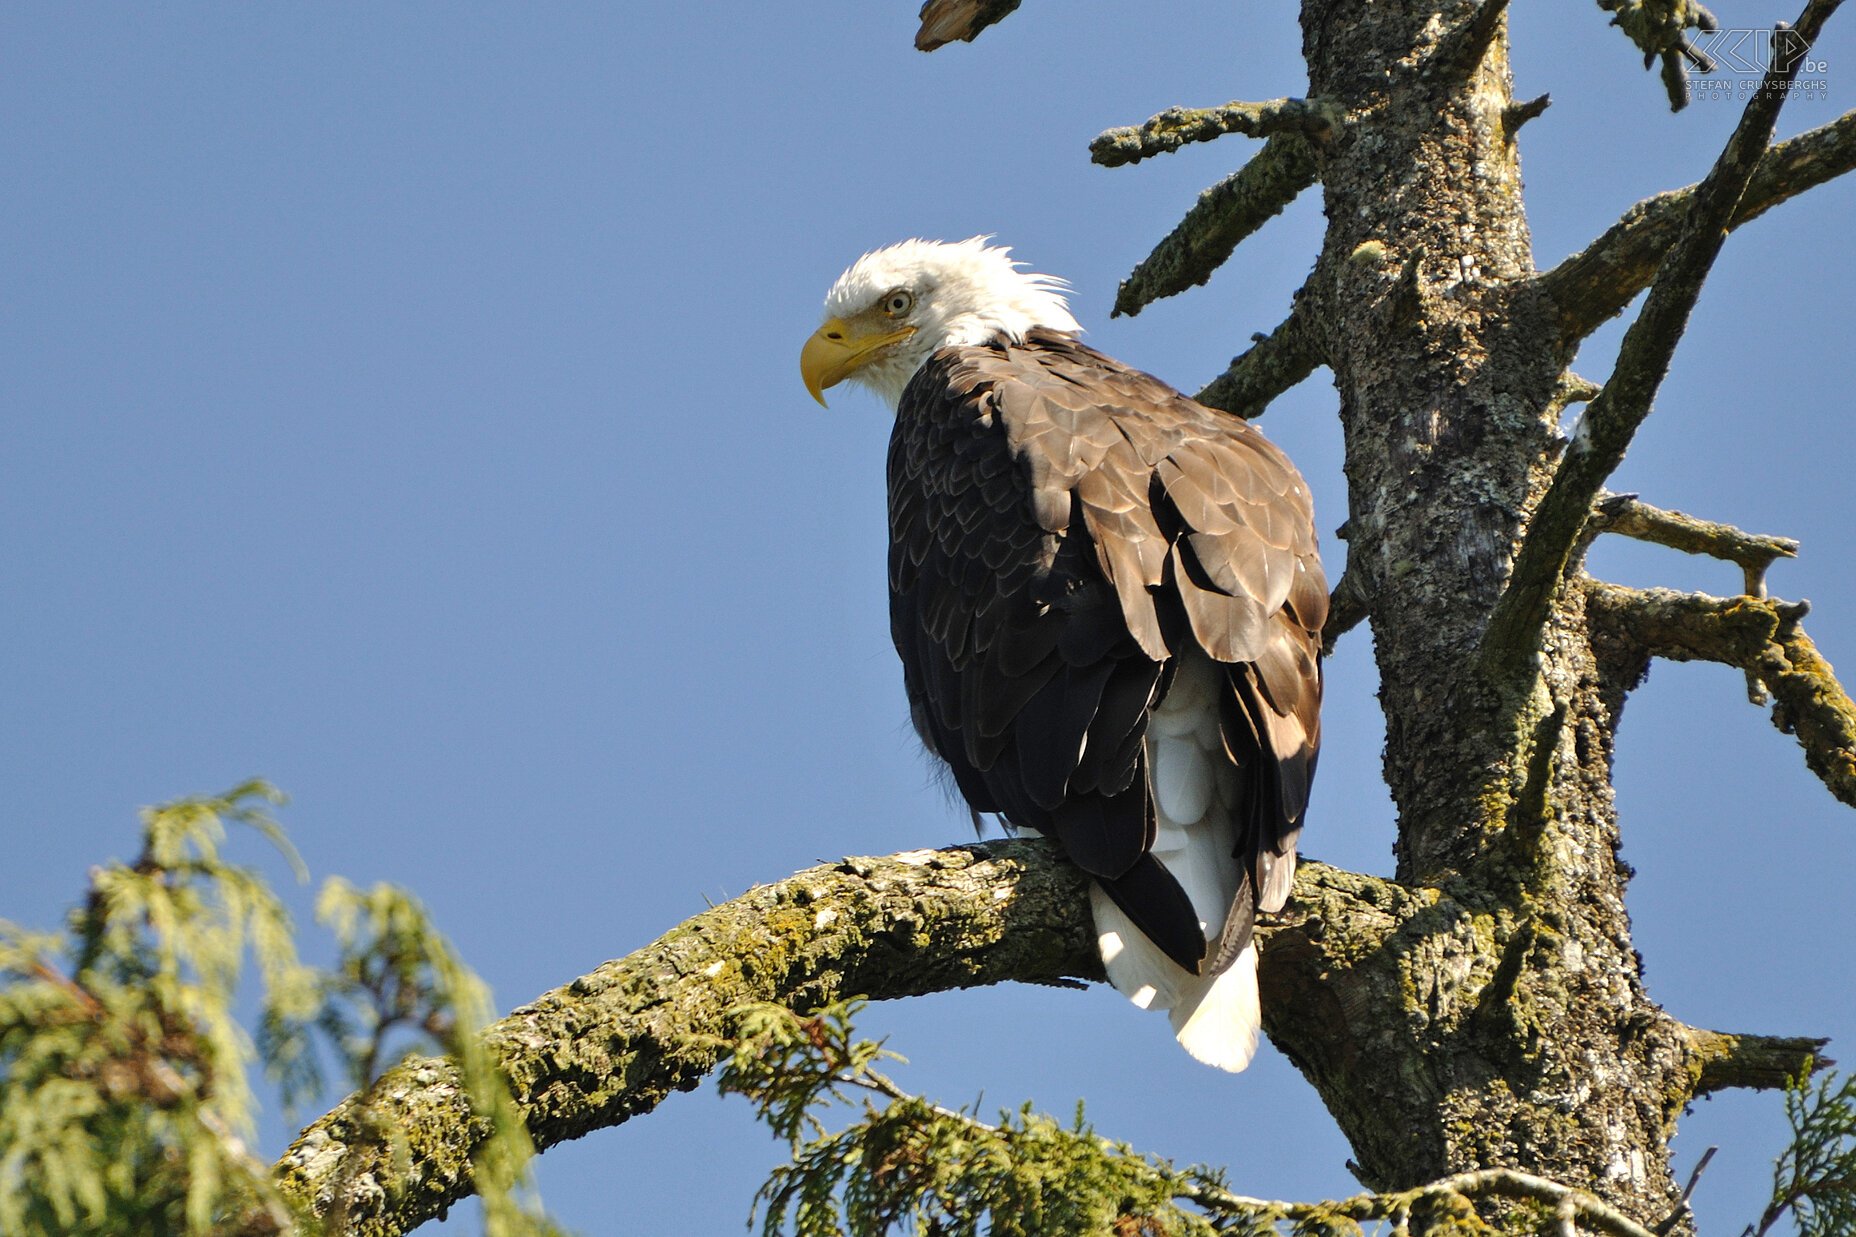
x,y
965,292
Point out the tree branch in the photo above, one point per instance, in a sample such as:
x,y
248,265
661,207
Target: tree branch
x,y
1224,215
1173,128
1660,29
1274,363
1610,421
1718,1061
1396,1206
1761,636
1595,284
791,1067
1517,114
1628,516
1348,607
949,21
611,1045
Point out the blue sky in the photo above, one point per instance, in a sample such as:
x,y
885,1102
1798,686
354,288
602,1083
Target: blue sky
x,y
401,403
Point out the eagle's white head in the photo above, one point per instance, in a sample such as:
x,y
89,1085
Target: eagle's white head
x,y
895,307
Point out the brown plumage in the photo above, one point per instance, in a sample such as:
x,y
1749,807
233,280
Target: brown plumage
x,y
1063,530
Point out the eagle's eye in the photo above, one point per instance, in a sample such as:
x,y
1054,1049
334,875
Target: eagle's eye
x,y
898,303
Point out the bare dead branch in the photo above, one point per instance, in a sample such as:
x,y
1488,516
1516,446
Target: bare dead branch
x,y
1683,1213
1517,114
1569,390
1224,215
1312,118
1719,1061
1629,516
1595,284
1274,363
1611,419
1760,635
1348,607
950,21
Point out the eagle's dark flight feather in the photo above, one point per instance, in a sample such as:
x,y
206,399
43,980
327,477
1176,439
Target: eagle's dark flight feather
x,y
1063,529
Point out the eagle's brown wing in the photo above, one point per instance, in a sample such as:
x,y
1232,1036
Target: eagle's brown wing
x,y
1061,528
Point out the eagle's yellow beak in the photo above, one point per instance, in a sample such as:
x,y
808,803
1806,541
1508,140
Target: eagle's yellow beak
x,y
838,349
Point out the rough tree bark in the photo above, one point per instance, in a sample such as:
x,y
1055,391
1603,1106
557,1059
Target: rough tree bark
x,y
1485,1008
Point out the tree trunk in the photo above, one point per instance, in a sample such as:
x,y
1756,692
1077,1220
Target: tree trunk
x,y
1503,1021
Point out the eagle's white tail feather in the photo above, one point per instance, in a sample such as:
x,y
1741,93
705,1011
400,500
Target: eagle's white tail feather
x,y
1220,1026
1134,964
1193,792
1215,1018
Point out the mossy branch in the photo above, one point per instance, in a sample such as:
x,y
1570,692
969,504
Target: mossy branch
x,y
1223,216
1175,127
1719,1061
1594,285
612,1044
1660,29
1441,1201
1628,516
1610,421
1758,634
1274,363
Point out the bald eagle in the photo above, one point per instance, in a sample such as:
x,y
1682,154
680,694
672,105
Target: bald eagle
x,y
1108,604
